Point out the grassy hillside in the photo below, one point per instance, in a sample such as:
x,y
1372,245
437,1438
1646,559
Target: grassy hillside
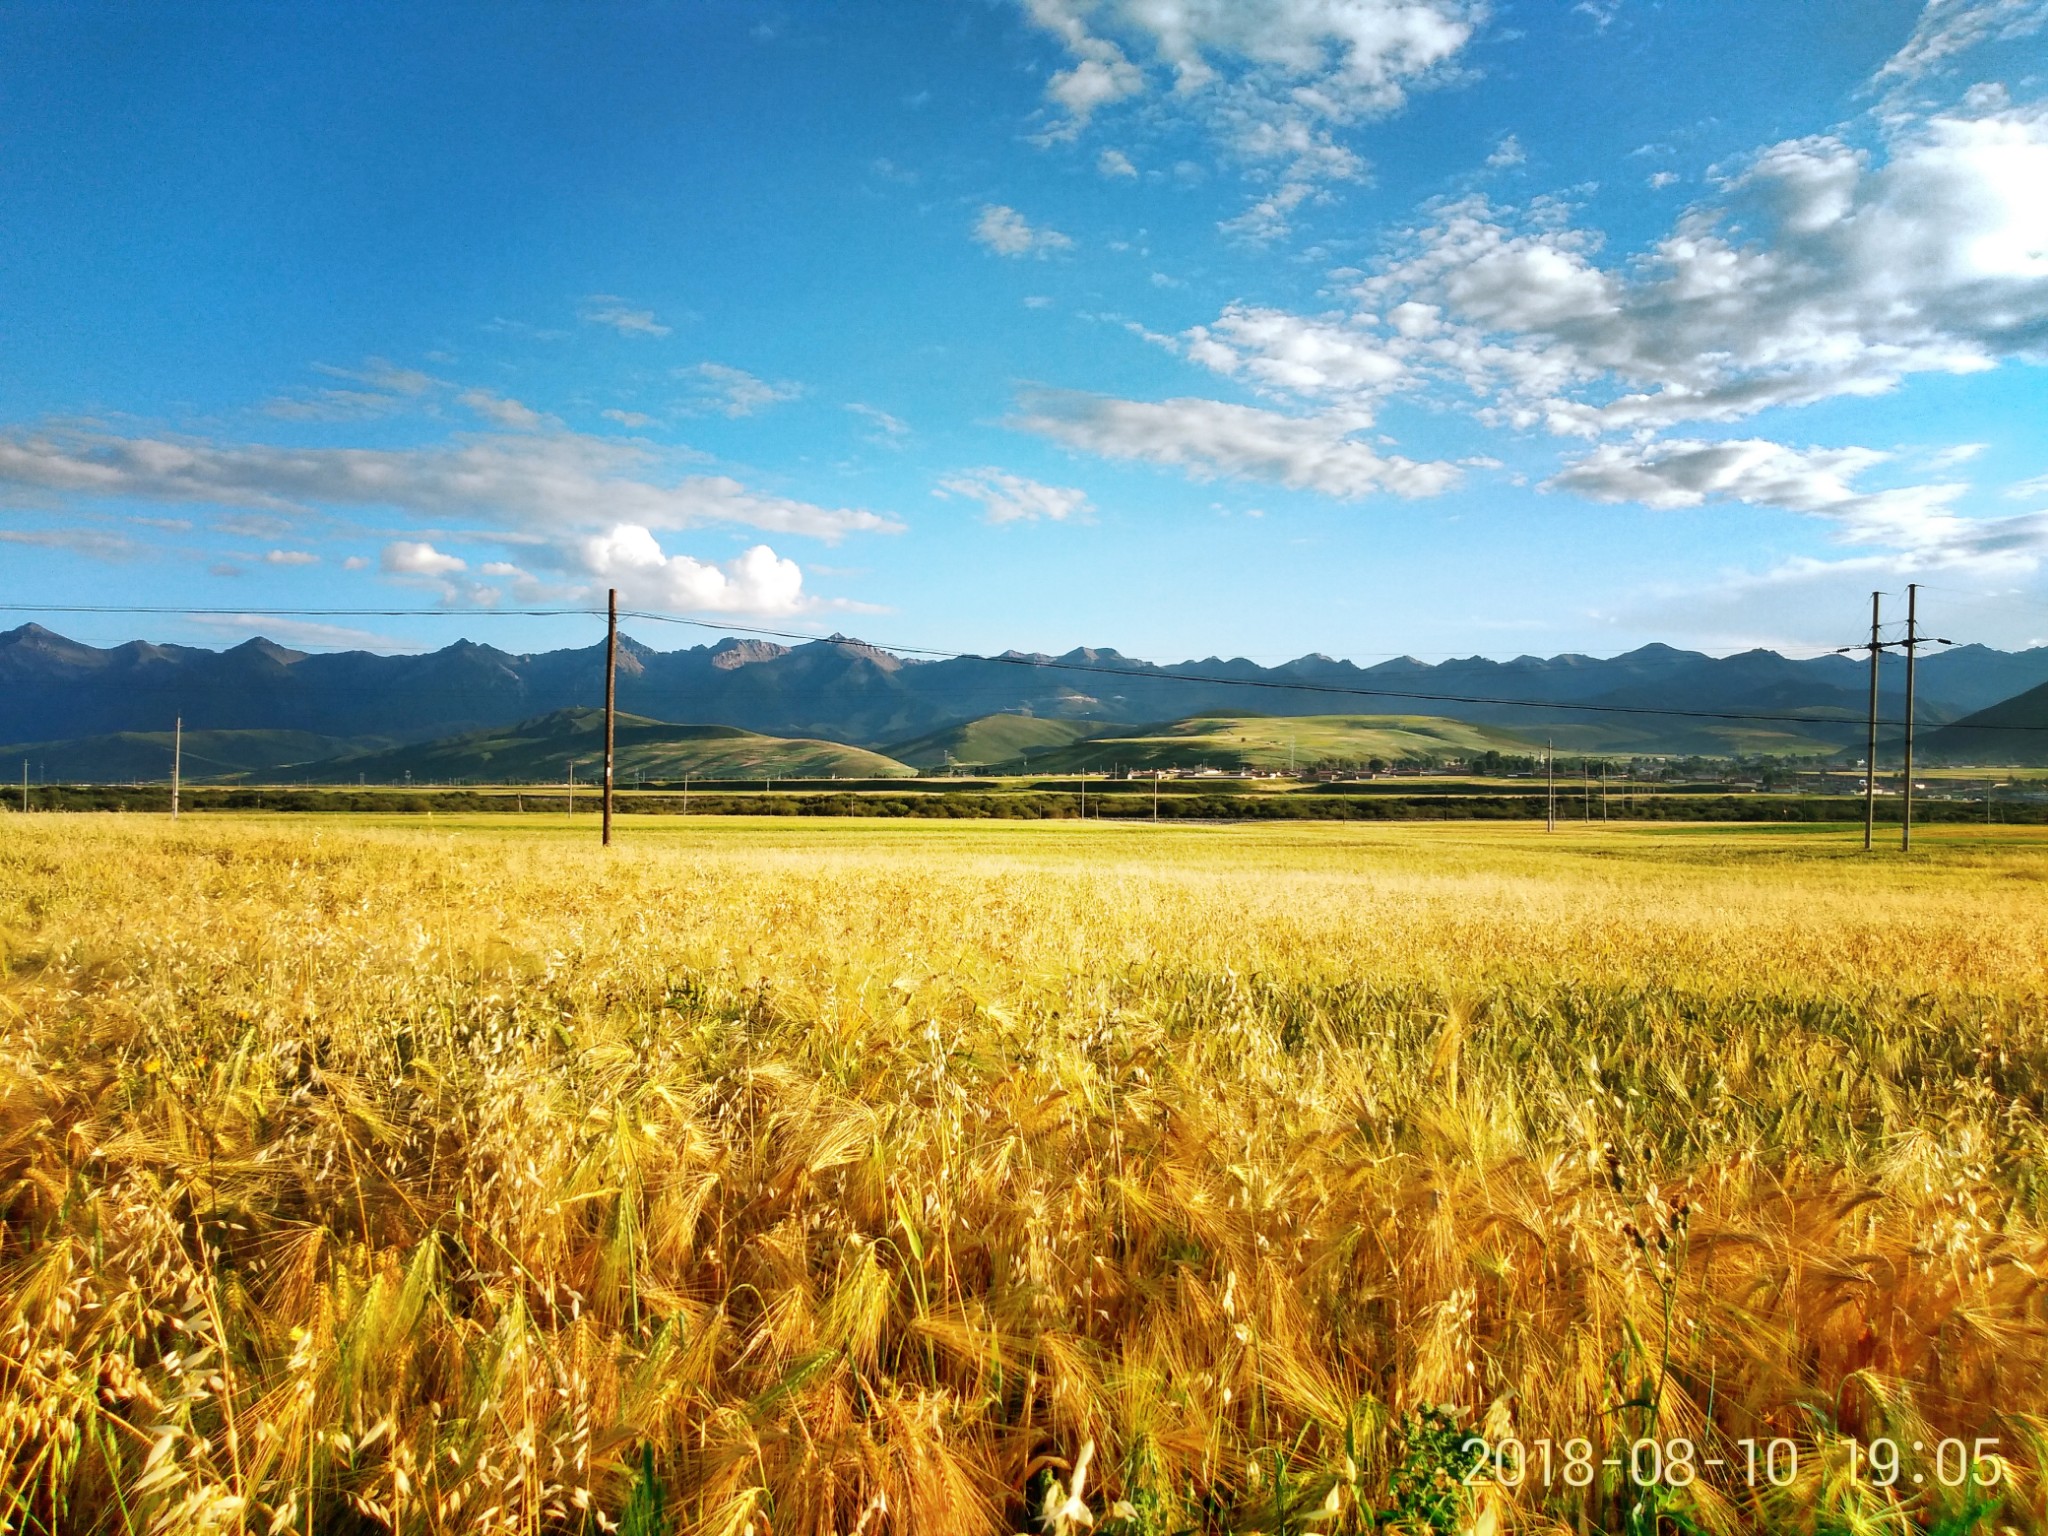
x,y
1265,741
993,739
146,755
540,751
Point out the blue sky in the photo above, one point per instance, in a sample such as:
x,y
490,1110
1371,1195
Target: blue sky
x,y
1240,327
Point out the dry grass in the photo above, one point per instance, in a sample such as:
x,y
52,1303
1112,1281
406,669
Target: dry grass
x,y
850,1178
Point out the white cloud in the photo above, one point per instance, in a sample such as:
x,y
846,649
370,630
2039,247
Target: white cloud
x,y
1956,453
1008,498
305,633
501,568
757,582
1916,520
385,388
501,411
355,563
1272,80
1507,153
1208,439
381,373
96,542
1949,28
1101,74
1113,163
291,557
2038,486
632,419
610,310
733,391
405,558
1825,270
886,430
1659,180
1330,357
1270,217
1008,233
544,481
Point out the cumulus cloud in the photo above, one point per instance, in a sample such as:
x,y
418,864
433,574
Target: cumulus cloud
x,y
1330,357
291,557
1210,439
1008,498
1272,80
1113,163
733,391
1918,520
630,419
406,558
1508,152
1824,270
1008,233
756,582
608,309
539,482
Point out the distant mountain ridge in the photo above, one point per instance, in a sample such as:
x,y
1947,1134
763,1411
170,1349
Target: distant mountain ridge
x,y
845,690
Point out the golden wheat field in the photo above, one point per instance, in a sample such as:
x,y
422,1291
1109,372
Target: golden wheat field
x,y
786,1177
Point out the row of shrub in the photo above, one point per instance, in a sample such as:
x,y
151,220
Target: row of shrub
x,y
1040,805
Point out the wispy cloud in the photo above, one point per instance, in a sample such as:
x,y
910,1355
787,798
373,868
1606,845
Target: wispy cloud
x,y
733,392
1210,439
1916,520
538,481
1008,233
885,431
608,309
1008,498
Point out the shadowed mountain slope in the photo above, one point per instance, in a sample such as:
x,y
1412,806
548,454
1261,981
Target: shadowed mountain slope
x,y
840,689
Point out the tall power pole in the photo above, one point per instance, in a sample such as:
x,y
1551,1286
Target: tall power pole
x,y
1912,643
1550,792
177,761
611,700
1912,655
1870,759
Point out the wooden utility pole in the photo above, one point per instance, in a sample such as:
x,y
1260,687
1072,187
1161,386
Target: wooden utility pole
x,y
177,761
1550,791
1870,760
611,700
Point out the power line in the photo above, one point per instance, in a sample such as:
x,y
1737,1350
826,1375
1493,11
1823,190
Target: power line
x,y
1049,663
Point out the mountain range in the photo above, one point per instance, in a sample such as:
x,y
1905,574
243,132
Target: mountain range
x,y
845,690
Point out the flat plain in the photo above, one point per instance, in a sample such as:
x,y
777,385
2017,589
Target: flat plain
x,y
760,1175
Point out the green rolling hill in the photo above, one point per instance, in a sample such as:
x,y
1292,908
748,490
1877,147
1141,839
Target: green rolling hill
x,y
539,752
1265,742
209,756
1004,738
